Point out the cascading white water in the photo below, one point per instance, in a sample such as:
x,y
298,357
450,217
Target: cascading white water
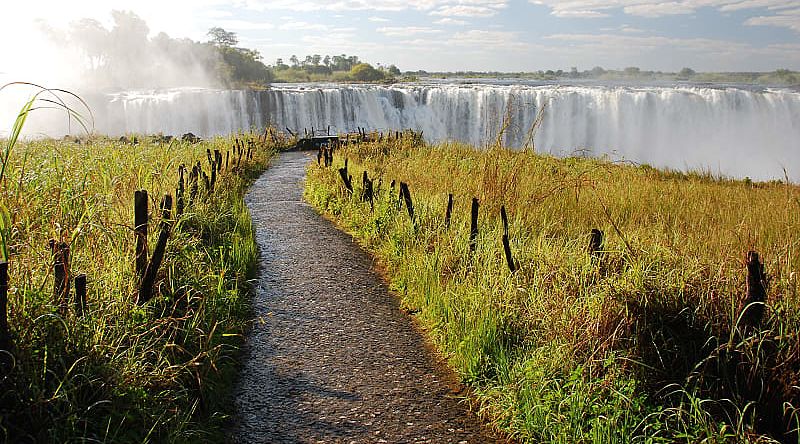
x,y
731,131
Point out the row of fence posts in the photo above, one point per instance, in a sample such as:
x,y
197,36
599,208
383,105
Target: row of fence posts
x,y
146,269
751,306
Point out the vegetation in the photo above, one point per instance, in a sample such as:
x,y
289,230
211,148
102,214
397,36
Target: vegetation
x,y
632,73
121,372
341,68
643,343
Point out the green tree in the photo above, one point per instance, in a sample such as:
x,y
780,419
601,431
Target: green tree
x,y
394,70
364,72
686,73
222,38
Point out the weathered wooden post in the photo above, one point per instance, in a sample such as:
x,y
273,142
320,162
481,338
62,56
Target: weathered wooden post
x,y
227,157
80,294
596,242
752,306
406,194
140,230
146,288
506,244
346,178
60,275
473,227
366,186
448,214
179,192
5,336
213,176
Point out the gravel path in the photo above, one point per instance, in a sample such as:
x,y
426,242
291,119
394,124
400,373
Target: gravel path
x,y
331,357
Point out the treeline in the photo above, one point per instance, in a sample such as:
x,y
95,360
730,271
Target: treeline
x,y
331,68
777,77
125,56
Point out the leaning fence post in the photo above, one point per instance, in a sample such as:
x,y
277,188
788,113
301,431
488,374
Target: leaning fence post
x,y
506,244
473,227
146,288
80,294
5,336
140,230
407,198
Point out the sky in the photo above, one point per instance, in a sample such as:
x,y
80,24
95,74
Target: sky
x,y
451,35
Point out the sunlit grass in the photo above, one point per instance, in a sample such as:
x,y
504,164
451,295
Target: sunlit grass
x,y
640,345
123,373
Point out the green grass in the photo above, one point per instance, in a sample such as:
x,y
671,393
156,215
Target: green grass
x,y
161,372
640,346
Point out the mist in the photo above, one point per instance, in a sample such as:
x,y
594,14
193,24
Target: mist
x,y
93,60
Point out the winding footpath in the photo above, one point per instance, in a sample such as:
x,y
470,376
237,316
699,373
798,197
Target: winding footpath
x,y
331,357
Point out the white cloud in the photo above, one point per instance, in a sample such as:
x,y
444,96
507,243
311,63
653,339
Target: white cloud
x,y
780,13
403,31
302,26
450,21
378,19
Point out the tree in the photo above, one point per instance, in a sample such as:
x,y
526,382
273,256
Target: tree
x,y
364,72
393,70
294,61
686,73
632,71
222,38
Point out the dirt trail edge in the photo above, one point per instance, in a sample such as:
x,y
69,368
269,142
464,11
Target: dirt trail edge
x,y
331,358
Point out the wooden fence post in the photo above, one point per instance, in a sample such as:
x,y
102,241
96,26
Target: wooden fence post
x,y
60,275
346,178
448,214
179,192
407,198
752,306
506,244
366,194
596,242
5,335
146,288
80,294
213,176
473,226
140,231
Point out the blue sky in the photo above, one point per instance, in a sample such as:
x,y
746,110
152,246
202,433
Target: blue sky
x,y
505,35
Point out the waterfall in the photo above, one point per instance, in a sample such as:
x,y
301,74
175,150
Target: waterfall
x,y
733,131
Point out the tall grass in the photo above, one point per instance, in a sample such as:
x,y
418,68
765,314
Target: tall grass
x,y
122,373
639,345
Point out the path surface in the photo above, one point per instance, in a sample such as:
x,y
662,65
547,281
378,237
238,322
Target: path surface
x,y
332,358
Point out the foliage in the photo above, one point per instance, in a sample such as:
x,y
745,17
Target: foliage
x,y
364,72
341,68
122,373
639,345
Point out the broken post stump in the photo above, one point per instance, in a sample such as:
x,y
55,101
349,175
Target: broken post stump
x,y
140,230
61,285
406,194
80,294
146,287
752,306
5,335
449,212
595,242
473,226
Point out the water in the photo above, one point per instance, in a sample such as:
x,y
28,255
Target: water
x,y
727,130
